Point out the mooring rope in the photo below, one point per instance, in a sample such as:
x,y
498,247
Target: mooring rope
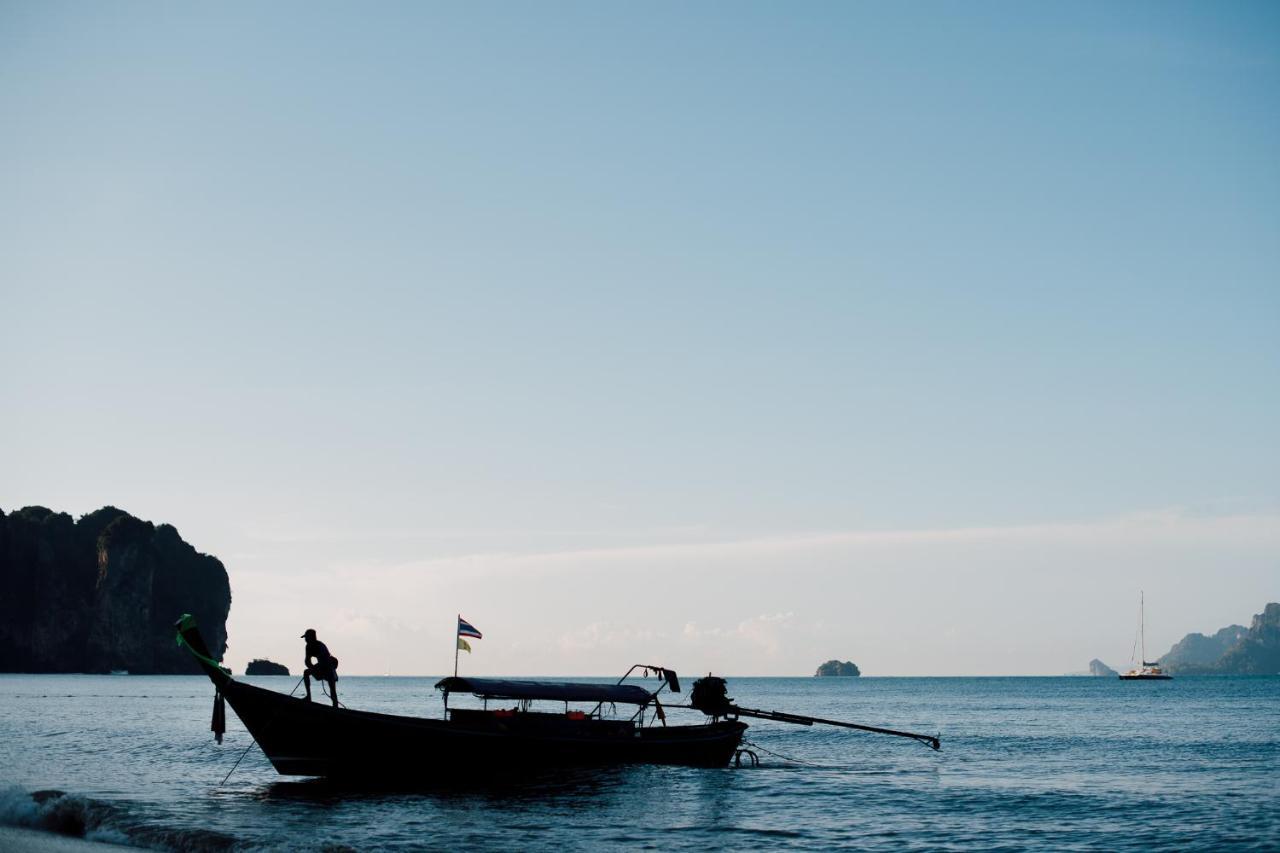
x,y
325,690
253,740
788,757
237,764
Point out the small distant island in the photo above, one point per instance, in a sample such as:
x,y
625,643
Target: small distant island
x,y
1099,669
262,666
837,669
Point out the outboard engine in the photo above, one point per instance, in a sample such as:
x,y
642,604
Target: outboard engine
x,y
710,695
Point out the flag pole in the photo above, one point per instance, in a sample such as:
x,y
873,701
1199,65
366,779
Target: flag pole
x,y
455,647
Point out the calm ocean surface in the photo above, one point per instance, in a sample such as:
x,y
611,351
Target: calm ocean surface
x,y
1026,763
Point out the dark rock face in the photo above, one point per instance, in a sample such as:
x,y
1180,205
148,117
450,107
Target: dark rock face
x,y
1239,651
1258,651
1098,668
101,593
1197,651
262,666
47,576
837,668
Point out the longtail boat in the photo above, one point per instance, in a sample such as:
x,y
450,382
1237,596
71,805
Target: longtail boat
x,y
303,738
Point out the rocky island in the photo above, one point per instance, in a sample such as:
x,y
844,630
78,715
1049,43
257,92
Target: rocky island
x,y
262,666
101,593
835,668
1100,669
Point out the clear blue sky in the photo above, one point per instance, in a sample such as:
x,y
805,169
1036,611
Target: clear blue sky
x,y
380,304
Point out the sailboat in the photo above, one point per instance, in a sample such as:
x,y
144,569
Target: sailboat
x,y
1150,670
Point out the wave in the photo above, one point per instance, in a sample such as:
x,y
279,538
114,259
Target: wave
x,y
94,820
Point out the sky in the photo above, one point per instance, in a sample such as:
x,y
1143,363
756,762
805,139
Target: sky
x,y
721,336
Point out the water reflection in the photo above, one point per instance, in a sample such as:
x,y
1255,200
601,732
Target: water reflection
x,y
584,786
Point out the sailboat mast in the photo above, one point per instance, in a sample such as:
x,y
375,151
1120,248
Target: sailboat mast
x,y
1142,623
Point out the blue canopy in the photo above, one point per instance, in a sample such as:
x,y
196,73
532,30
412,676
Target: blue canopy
x,y
560,691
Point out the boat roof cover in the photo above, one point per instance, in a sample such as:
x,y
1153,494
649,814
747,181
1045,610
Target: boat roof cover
x,y
561,691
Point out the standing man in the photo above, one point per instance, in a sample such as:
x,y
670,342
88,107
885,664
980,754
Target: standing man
x,y
325,667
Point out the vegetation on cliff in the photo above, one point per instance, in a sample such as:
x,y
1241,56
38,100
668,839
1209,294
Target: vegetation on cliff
x,y
1198,651
1234,650
1258,651
262,666
837,668
101,593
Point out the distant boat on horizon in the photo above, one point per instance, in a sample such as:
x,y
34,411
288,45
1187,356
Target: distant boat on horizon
x,y
1149,670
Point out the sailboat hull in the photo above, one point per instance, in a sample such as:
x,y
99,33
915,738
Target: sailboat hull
x,y
1149,670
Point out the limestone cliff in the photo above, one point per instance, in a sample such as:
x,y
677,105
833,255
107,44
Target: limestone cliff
x,y
1234,650
1100,669
101,593
1197,651
1258,651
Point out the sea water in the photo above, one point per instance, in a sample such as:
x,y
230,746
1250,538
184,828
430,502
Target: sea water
x,y
1026,763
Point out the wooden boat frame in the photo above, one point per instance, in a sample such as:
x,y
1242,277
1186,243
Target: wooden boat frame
x,y
304,738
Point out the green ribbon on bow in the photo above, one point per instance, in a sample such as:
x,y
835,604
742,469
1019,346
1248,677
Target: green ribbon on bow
x,y
189,621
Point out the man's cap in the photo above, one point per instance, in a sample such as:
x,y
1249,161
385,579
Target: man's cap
x,y
310,632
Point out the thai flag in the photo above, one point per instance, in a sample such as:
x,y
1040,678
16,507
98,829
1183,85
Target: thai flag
x,y
466,629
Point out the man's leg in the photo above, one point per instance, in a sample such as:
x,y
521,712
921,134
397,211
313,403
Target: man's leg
x,y
333,691
306,679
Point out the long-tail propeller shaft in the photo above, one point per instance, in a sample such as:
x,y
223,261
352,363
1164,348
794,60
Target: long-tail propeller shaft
x,y
710,696
783,717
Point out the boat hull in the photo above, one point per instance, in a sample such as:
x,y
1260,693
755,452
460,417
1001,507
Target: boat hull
x,y
1146,678
303,738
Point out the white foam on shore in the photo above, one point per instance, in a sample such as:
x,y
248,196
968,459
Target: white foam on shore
x,y
57,816
36,841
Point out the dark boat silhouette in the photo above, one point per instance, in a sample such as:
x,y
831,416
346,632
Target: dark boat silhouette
x,y
303,738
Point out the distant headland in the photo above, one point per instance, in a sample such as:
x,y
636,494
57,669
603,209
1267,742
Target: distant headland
x,y
99,594
262,666
1233,650
1251,651
838,669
